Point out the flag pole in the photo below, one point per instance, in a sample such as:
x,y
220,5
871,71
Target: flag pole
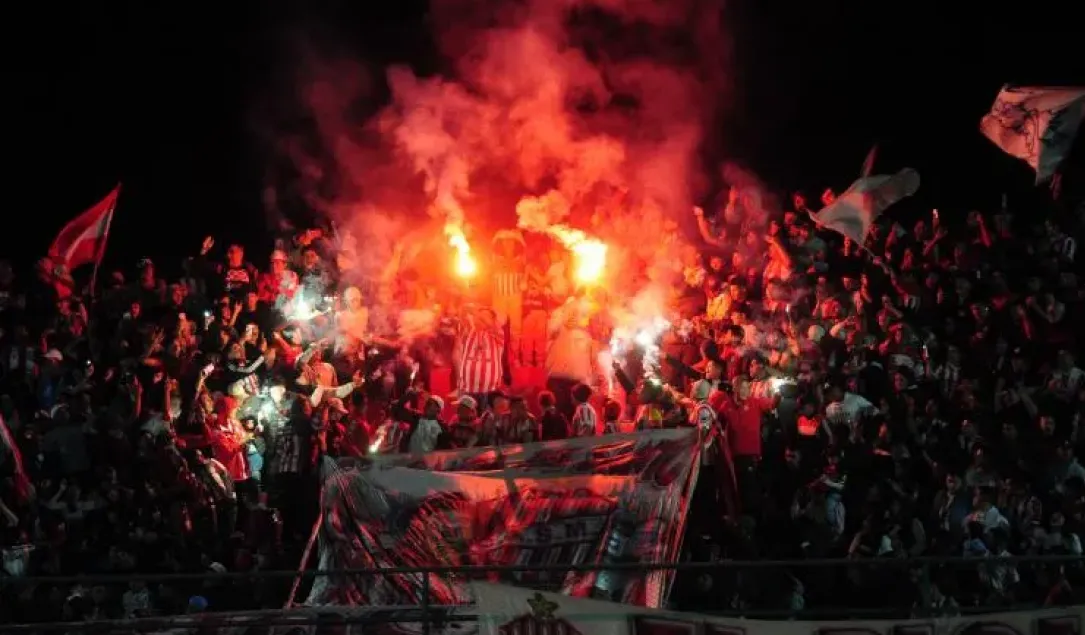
x,y
101,250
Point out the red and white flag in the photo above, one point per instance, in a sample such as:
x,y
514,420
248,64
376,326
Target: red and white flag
x,y
82,241
1036,125
481,352
853,213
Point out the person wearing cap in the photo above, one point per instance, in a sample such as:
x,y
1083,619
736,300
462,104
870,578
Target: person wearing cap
x,y
425,425
280,283
464,433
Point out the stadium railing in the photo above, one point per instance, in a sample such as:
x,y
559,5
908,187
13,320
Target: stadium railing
x,y
427,614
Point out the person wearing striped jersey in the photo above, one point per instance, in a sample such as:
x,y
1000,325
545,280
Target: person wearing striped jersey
x,y
509,279
612,412
585,421
478,357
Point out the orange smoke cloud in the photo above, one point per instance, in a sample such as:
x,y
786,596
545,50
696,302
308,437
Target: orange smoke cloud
x,y
596,107
541,106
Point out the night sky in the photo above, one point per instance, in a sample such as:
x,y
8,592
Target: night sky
x,y
163,100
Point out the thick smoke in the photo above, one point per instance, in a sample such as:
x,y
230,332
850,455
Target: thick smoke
x,y
590,113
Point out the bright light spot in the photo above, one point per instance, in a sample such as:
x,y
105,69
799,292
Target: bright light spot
x,y
465,265
776,383
302,310
646,338
589,254
591,261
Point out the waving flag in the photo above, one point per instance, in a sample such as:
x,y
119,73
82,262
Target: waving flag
x,y
1036,125
83,239
854,212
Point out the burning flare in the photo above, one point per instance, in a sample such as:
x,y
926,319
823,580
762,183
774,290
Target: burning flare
x,y
589,254
465,266
543,214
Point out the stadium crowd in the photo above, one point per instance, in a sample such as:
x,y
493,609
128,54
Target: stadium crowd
x,y
915,396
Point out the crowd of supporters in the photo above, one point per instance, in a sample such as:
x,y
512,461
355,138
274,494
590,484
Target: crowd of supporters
x,y
914,396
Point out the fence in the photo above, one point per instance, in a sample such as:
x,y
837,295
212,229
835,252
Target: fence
x,y
427,615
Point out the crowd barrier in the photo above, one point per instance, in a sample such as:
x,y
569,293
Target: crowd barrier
x,y
486,617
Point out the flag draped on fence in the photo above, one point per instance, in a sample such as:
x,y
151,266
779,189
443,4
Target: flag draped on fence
x,y
853,213
82,241
1036,125
619,498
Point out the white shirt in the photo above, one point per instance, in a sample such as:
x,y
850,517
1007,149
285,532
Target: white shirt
x,y
424,438
848,409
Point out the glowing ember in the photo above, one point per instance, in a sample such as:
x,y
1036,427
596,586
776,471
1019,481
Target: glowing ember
x,y
465,266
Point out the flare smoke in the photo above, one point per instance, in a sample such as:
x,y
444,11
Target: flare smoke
x,y
585,115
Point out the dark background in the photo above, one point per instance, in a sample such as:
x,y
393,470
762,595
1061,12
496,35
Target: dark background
x,y
160,95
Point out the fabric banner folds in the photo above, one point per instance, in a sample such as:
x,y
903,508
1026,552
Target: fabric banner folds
x,y
853,213
618,498
1036,125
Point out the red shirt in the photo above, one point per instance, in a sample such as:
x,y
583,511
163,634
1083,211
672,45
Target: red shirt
x,y
270,287
744,425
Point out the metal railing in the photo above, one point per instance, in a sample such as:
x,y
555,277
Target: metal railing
x,y
427,614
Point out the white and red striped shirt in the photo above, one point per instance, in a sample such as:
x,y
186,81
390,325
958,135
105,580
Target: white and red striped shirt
x,y
585,421
508,282
479,362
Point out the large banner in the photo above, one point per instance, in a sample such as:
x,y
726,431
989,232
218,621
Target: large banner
x,y
612,499
504,610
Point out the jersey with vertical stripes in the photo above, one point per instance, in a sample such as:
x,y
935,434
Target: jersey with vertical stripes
x,y
508,282
480,362
585,421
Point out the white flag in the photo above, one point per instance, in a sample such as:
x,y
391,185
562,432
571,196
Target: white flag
x,y
1036,125
853,213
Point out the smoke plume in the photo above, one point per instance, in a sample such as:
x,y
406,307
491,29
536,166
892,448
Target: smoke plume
x,y
584,114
